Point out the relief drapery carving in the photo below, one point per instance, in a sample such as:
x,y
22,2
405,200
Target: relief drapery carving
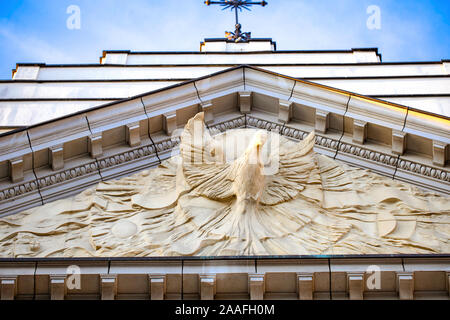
x,y
241,192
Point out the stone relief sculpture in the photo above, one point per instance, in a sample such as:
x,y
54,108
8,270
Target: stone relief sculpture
x,y
243,192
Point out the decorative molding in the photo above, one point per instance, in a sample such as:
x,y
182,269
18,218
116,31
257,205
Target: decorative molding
x,y
361,152
264,124
126,156
167,145
17,190
59,132
67,175
18,280
230,124
164,148
366,111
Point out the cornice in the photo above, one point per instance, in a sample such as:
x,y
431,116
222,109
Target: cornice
x,y
142,118
359,152
428,273
373,159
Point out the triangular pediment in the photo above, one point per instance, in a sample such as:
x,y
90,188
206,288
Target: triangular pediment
x,y
61,157
242,192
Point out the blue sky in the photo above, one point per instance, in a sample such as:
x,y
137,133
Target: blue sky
x,y
35,31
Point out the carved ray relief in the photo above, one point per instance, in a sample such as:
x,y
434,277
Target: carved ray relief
x,y
241,192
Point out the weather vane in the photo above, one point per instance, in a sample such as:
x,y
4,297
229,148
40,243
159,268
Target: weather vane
x,y
237,35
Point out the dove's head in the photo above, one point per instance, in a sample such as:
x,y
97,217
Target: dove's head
x,y
253,151
259,139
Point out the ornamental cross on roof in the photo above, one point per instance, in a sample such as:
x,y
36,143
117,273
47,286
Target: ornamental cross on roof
x,y
237,35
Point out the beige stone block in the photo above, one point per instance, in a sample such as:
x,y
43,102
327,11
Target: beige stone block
x,y
439,153
208,108
398,142
57,287
284,110
133,134
95,147
207,286
8,287
359,131
108,286
157,286
169,122
219,266
405,285
322,121
355,285
245,101
305,285
256,286
56,157
16,169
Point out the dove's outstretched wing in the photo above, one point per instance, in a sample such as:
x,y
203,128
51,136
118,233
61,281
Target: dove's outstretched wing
x,y
202,166
296,167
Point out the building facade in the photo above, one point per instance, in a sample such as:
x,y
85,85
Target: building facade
x,y
70,127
